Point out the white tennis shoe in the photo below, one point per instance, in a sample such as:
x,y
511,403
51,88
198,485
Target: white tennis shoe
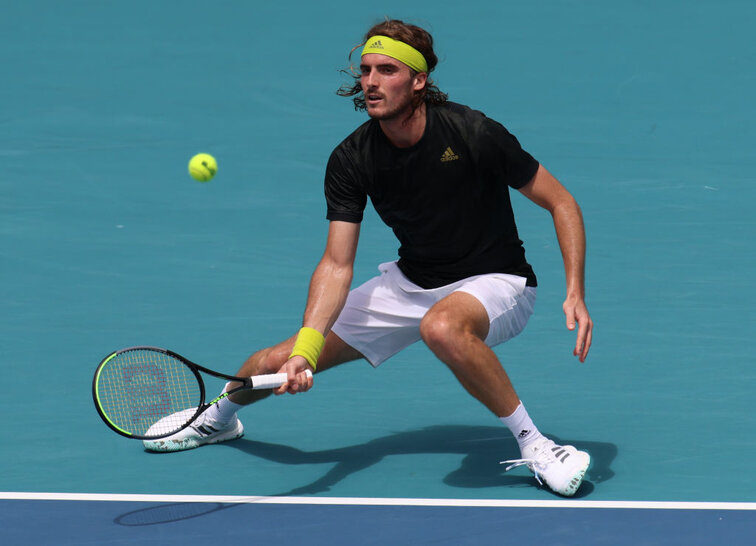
x,y
200,432
561,468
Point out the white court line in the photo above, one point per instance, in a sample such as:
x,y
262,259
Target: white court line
x,y
368,501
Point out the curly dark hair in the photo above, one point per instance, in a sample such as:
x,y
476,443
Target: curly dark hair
x,y
413,35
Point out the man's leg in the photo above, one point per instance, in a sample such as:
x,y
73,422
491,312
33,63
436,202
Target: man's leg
x,y
269,360
455,329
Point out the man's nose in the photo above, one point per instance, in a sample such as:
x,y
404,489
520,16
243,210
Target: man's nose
x,y
368,79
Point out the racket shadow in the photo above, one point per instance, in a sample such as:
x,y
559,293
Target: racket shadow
x,y
482,448
170,513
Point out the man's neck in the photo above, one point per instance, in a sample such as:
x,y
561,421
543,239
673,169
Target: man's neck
x,y
403,132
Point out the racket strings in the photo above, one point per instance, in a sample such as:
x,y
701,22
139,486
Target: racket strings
x,y
147,393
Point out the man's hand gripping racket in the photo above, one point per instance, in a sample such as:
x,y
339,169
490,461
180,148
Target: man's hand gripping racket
x,y
147,393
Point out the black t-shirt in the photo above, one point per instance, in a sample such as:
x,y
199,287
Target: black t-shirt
x,y
446,198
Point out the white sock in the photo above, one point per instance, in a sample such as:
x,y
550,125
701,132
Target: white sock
x,y
223,411
522,427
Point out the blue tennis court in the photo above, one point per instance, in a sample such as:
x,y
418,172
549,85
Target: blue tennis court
x,y
369,521
642,109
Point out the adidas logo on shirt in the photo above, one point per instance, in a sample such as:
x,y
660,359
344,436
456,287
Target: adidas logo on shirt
x,y
449,155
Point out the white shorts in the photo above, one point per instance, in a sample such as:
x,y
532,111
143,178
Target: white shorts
x,y
382,316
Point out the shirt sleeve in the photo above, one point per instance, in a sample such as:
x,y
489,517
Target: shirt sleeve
x,y
345,196
516,166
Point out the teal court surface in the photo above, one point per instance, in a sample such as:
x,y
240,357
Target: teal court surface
x,y
644,110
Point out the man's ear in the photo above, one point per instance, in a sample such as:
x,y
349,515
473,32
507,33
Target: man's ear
x,y
420,80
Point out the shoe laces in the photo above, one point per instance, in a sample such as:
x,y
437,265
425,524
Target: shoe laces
x,y
538,463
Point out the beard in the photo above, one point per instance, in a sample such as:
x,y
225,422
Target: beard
x,y
402,108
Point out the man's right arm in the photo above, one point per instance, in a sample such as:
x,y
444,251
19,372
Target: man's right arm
x,y
332,278
329,288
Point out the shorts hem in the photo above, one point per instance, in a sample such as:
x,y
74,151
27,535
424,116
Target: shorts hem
x,y
373,359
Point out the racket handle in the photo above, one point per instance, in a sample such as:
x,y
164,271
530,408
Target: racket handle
x,y
272,380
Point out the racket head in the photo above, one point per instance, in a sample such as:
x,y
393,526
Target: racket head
x,y
147,393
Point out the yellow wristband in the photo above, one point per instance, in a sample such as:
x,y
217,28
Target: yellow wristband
x,y
309,344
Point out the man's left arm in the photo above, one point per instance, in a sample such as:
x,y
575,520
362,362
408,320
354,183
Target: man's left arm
x,y
547,192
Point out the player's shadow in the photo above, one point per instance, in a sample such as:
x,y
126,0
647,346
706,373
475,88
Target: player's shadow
x,y
482,448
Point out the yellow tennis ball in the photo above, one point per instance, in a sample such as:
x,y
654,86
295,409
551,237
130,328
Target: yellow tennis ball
x,y
202,167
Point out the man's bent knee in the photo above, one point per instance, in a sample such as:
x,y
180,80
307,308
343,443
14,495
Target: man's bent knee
x,y
446,337
436,330
446,328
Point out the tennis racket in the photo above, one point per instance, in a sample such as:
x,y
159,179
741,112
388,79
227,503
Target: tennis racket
x,y
148,393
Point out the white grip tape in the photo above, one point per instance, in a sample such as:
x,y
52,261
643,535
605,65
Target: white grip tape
x,y
271,381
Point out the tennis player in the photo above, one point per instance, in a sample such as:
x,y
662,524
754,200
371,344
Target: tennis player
x,y
438,174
